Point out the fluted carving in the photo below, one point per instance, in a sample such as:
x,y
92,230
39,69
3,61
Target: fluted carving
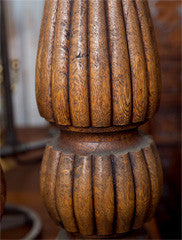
x,y
97,64
102,193
98,79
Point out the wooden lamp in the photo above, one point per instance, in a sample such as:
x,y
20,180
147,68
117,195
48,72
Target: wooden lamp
x,y
98,79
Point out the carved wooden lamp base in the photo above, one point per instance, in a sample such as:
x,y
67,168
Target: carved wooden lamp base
x,y
98,79
101,184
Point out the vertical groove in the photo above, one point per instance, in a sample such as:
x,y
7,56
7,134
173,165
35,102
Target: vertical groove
x,y
109,59
45,98
64,197
131,115
73,176
43,171
57,157
119,63
154,179
133,219
142,187
92,176
159,166
71,8
83,203
99,66
151,55
40,54
137,59
88,63
78,85
52,49
55,191
146,214
60,65
115,193
155,49
140,29
50,184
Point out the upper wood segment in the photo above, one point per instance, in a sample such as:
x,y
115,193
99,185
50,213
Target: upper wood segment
x,y
97,63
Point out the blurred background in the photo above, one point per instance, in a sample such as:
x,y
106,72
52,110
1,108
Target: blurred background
x,y
22,20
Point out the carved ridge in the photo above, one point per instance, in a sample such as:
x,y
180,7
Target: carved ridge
x,y
134,184
109,56
92,174
128,164
60,64
98,79
88,64
124,22
144,51
115,193
68,84
102,87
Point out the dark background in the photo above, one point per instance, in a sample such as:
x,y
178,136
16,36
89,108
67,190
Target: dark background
x,y
165,127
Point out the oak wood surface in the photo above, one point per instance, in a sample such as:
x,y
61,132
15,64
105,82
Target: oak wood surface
x,y
97,64
100,192
98,79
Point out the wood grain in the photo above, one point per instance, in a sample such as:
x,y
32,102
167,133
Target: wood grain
x,y
49,184
78,66
44,90
39,66
64,192
60,63
151,55
154,180
159,166
43,171
82,195
97,64
98,74
103,195
142,187
100,92
99,192
120,64
137,61
125,195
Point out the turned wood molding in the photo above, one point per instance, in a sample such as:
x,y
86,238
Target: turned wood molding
x,y
98,79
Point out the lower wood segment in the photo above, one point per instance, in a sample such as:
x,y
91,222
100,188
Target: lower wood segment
x,y
95,192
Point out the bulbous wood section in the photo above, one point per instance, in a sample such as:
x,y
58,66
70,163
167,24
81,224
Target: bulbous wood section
x,y
97,63
88,188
